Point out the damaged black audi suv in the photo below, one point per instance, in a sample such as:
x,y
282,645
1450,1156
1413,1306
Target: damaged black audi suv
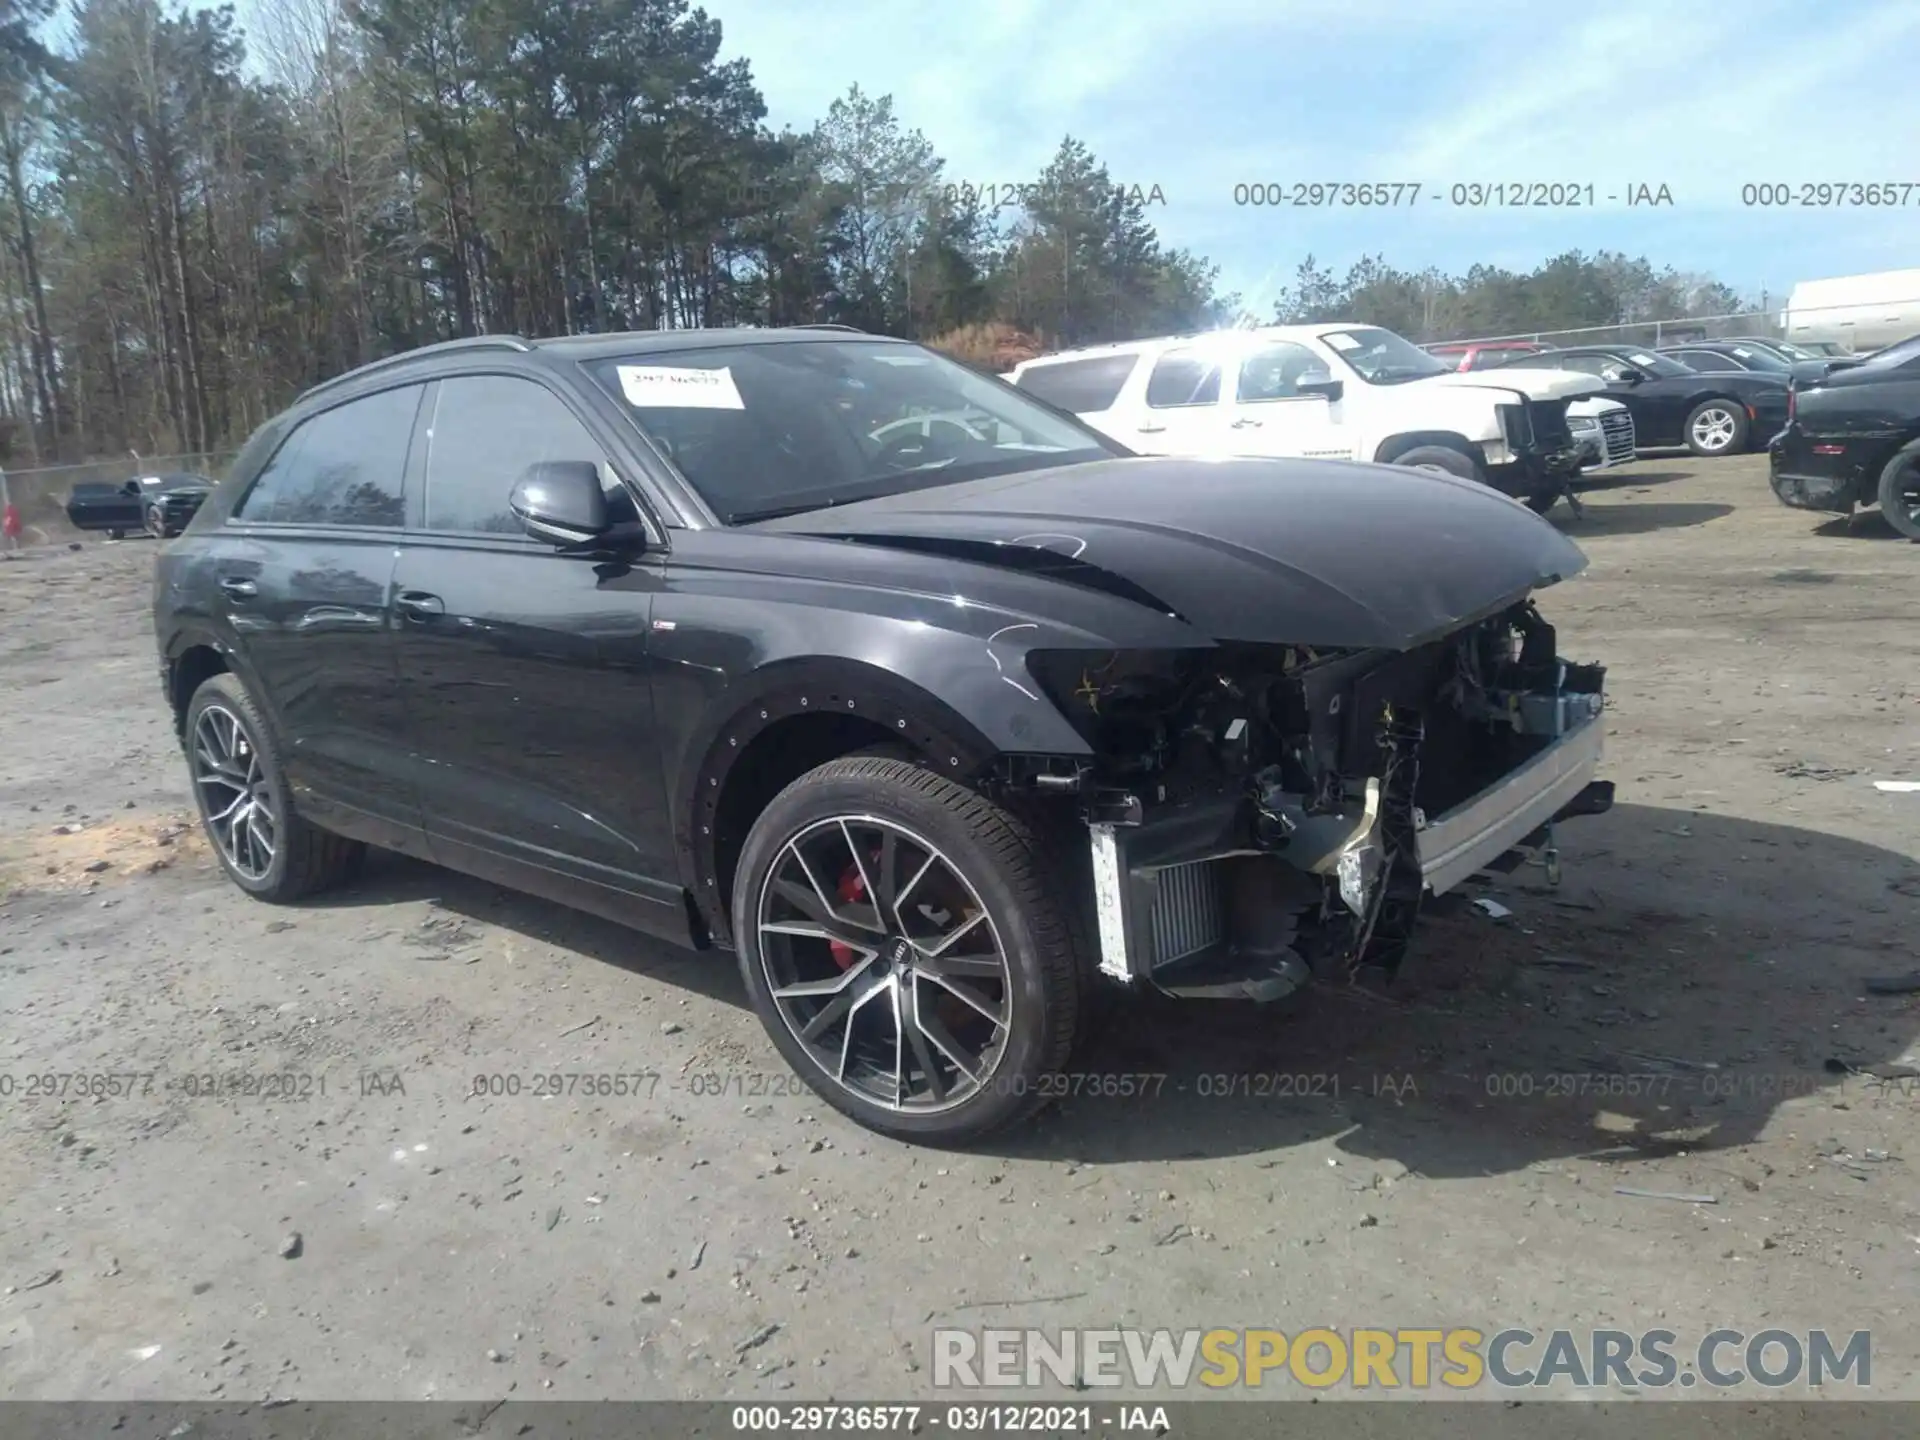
x,y
936,708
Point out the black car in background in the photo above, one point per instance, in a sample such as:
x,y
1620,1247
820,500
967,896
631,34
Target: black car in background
x,y
1719,414
1854,439
939,728
159,504
1717,356
1790,350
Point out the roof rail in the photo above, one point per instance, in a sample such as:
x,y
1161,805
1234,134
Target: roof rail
x,y
850,329
440,347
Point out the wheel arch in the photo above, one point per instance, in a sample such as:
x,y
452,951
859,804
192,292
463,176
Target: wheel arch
x,y
192,660
796,716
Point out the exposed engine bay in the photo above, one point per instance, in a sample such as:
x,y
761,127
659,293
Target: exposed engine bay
x,y
1261,814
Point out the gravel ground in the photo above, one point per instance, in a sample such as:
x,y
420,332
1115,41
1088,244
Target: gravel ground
x,y
366,1229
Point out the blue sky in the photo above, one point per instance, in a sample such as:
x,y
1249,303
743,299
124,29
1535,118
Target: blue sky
x,y
1197,96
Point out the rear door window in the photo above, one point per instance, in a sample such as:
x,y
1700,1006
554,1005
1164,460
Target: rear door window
x,y
1183,377
345,466
1083,387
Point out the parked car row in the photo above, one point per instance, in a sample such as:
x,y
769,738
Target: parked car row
x,y
1674,401
1842,430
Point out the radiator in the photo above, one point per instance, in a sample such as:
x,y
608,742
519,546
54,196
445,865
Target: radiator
x,y
1189,911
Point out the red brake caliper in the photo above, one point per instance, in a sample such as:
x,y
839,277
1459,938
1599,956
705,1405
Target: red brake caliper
x,y
851,891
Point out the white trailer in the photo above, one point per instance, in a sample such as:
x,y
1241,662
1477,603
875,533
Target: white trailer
x,y
1860,312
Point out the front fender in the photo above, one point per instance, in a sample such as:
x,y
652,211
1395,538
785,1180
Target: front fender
x,y
1469,413
956,698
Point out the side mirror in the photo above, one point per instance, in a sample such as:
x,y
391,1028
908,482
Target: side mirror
x,y
1319,382
562,503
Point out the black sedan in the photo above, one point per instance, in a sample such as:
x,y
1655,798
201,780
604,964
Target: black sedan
x,y
1718,414
159,504
1854,439
938,729
1717,356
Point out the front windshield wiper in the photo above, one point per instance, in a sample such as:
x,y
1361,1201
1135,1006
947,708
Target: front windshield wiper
x,y
777,512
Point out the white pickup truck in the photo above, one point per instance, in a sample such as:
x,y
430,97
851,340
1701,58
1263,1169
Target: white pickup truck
x,y
1333,391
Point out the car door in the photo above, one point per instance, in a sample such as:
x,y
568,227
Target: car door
x,y
1268,415
524,670
1180,411
302,572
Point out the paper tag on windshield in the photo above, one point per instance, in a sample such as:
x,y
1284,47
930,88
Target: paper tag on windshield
x,y
1342,342
664,387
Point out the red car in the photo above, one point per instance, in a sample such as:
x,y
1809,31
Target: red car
x,y
1479,354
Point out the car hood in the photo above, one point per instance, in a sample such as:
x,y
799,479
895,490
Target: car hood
x,y
1312,552
1536,383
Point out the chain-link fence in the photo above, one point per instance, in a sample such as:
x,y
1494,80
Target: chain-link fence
x,y
1878,322
40,493
1755,324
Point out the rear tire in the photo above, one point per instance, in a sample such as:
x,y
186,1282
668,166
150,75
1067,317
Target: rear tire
x,y
1716,427
246,809
859,1000
1900,493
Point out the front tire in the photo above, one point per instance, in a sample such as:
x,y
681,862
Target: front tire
x,y
1900,493
1716,427
909,949
1445,460
246,809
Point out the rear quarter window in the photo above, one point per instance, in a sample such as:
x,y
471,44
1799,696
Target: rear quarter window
x,y
1080,386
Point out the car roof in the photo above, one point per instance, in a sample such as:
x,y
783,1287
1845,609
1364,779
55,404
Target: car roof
x,y
1094,352
1166,342
597,347
641,342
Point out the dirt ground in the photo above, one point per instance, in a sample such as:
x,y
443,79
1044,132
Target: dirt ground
x,y
718,1235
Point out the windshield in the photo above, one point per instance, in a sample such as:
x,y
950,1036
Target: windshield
x,y
1381,357
1795,352
777,428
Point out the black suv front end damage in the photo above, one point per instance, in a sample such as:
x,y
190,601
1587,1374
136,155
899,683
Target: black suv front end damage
x,y
1260,814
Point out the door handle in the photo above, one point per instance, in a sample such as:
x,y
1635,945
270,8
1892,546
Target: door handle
x,y
418,605
1151,429
1244,424
237,589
